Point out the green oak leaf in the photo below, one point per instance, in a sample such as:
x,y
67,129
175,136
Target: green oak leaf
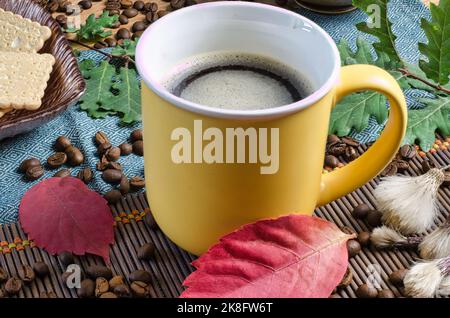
x,y
95,27
98,87
128,47
354,111
377,11
127,100
437,51
423,123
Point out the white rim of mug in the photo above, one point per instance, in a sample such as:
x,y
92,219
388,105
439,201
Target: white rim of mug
x,y
274,112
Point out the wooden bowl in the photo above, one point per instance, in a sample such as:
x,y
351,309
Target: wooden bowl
x,y
66,84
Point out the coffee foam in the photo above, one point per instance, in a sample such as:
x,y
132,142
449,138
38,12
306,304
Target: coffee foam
x,y
236,81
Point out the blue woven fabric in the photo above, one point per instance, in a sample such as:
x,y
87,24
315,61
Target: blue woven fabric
x,y
80,128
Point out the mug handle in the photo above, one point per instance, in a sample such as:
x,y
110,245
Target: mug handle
x,y
356,78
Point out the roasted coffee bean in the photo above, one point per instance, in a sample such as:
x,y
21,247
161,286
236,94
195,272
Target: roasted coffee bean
x,y
63,5
57,159
3,275
108,295
390,170
123,19
124,186
374,218
26,273
28,163
53,6
62,142
130,13
140,289
86,175
116,281
137,183
361,211
366,291
149,17
333,139
426,166
140,275
3,293
138,147
125,4
114,165
41,269
116,24
177,4
61,19
350,154
122,291
112,176
113,196
34,173
337,149
95,271
125,149
146,251
62,173
331,161
66,258
161,13
87,288
402,165
112,5
398,276
123,34
151,7
385,293
13,286
138,26
347,279
103,148
85,4
101,138
353,247
139,5
101,286
74,156
364,238
349,141
136,135
111,42
113,154
137,35
408,152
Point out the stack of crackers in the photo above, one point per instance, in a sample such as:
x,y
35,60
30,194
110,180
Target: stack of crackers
x,y
23,72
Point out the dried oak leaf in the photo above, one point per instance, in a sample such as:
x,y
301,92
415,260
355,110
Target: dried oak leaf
x,y
63,214
292,256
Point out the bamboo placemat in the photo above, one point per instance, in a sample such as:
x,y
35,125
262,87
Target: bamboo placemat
x,y
171,265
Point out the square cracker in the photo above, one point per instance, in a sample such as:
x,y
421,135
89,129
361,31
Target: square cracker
x,y
20,34
23,79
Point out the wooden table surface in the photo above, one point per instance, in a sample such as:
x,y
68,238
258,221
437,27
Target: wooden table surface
x,y
98,7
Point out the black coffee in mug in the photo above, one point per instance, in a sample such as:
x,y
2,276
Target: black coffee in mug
x,y
237,81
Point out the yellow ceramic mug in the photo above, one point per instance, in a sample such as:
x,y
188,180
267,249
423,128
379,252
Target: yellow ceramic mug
x,y
196,203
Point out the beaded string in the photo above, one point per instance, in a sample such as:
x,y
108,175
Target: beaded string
x,y
125,218
18,244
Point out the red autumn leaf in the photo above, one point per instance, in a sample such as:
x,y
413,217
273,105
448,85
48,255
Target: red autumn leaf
x,y
63,214
294,256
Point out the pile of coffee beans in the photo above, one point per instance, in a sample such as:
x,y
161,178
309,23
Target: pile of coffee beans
x,y
11,286
364,212
345,148
66,153
112,171
369,291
